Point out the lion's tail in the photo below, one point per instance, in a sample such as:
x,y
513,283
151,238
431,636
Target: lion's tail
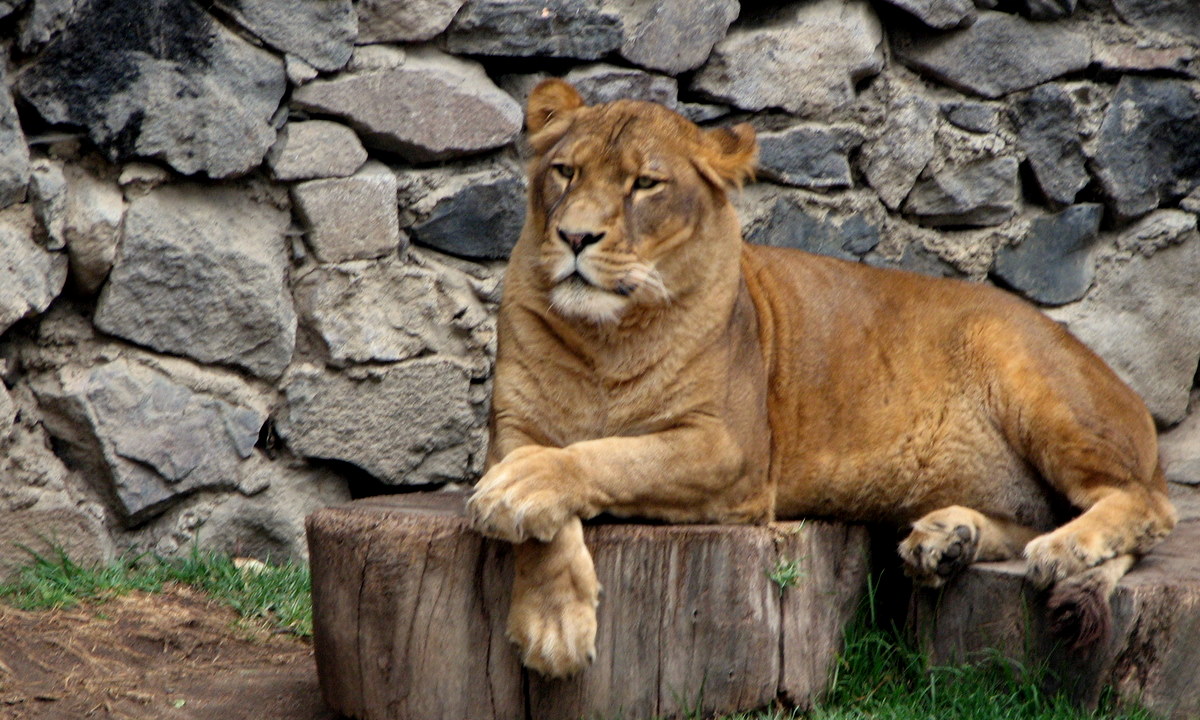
x,y
1080,613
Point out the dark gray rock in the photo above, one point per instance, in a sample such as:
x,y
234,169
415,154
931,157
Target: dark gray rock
x,y
7,7
154,437
1143,315
1054,264
352,218
320,32
32,276
939,14
430,107
976,117
1177,17
406,424
672,36
702,112
1181,450
202,272
788,225
481,218
187,91
604,83
811,156
999,54
44,20
1148,148
977,194
386,21
1048,134
580,29
14,153
904,147
1047,9
807,60
915,258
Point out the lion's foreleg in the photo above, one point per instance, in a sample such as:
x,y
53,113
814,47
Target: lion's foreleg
x,y
946,541
552,617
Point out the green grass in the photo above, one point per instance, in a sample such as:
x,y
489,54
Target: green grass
x,y
277,595
786,574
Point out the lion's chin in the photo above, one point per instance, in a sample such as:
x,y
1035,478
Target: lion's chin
x,y
576,299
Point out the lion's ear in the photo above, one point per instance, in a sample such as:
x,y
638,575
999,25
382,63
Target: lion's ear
x,y
551,100
731,156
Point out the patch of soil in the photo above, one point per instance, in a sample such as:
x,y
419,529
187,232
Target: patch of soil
x,y
175,654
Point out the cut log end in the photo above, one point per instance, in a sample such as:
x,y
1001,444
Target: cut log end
x,y
410,611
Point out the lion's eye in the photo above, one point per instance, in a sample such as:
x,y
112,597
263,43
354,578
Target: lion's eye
x,y
645,182
565,170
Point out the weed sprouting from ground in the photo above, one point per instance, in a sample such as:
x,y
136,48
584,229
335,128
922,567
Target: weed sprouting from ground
x,y
786,574
278,595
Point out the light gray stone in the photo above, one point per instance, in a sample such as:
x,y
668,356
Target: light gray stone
x,y
905,146
979,193
580,29
602,83
48,195
1180,448
33,276
404,20
672,36
298,71
939,14
95,209
152,436
1143,318
1055,262
7,7
997,55
807,61
1177,17
1148,148
315,149
811,156
45,19
369,312
202,272
14,153
321,32
188,91
354,218
269,525
431,107
406,424
8,412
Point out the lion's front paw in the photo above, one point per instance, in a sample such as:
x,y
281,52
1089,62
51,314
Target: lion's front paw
x,y
938,547
524,496
1060,554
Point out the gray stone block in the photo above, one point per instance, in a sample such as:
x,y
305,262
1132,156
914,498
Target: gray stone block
x,y
33,276
1049,134
387,21
788,225
997,55
202,272
580,29
672,36
14,153
939,14
188,91
977,194
430,107
320,32
894,160
353,218
811,156
315,149
602,83
1176,17
1054,264
976,117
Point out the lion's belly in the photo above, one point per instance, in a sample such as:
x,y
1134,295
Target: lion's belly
x,y
946,456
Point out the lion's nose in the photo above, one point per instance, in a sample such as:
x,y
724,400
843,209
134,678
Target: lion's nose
x,y
579,240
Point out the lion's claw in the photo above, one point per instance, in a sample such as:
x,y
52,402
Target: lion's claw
x,y
521,497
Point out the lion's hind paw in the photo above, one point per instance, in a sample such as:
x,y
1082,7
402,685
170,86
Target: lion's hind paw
x,y
937,550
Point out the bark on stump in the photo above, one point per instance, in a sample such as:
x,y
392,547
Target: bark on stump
x,y
1151,658
409,607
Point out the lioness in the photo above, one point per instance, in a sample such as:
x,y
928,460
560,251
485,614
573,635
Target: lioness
x,y
651,364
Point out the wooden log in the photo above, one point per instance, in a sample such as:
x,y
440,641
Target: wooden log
x,y
409,607
1151,657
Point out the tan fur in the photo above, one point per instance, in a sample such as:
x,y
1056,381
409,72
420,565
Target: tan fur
x,y
690,377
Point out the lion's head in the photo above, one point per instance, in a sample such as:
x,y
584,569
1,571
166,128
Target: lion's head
x,y
627,200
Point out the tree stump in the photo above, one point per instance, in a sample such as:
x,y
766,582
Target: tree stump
x,y
409,608
1152,657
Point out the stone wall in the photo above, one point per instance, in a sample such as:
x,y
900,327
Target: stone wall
x,y
251,250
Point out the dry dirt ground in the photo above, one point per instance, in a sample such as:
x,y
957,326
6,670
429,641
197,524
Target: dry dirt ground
x,y
174,655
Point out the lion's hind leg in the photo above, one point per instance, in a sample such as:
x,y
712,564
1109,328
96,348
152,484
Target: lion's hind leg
x,y
945,541
552,618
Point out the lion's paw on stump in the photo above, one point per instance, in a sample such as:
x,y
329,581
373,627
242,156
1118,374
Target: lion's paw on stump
x,y
410,606
1148,655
